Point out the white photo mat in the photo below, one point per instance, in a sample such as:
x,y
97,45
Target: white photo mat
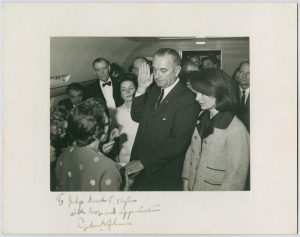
x,y
269,208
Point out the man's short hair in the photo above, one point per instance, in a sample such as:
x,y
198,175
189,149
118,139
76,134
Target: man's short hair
x,y
139,57
99,60
244,62
169,51
74,86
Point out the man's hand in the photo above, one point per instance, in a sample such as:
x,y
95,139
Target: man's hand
x,y
134,167
145,79
128,182
114,134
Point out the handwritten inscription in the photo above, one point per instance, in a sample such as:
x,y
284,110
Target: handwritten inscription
x,y
104,212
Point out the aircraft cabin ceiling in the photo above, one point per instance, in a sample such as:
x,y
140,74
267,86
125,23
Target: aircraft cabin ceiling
x,y
74,55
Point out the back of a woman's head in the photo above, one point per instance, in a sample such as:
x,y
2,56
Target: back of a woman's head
x,y
86,121
216,83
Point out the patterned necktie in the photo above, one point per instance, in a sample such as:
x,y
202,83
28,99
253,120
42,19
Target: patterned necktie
x,y
243,98
161,96
106,84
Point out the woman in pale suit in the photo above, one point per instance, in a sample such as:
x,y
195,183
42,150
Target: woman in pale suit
x,y
218,157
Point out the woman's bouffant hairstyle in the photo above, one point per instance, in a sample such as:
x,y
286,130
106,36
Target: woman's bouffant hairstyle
x,y
215,82
129,77
86,121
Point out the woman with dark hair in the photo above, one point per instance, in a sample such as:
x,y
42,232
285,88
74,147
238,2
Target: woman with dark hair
x,y
59,139
218,157
126,125
81,167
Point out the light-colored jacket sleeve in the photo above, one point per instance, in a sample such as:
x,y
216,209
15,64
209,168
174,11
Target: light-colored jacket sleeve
x,y
237,160
187,164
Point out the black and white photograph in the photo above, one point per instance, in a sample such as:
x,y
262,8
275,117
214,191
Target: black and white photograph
x,y
155,114
135,118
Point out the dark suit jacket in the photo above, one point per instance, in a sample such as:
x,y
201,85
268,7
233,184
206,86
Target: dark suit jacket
x,y
163,136
94,91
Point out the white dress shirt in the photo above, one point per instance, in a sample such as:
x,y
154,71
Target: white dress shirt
x,y
108,94
168,89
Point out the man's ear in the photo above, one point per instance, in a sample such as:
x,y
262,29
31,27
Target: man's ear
x,y
108,68
177,70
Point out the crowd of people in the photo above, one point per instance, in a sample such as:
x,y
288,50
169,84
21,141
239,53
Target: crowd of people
x,y
165,125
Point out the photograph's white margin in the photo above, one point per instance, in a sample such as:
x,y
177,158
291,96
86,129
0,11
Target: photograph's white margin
x,y
269,208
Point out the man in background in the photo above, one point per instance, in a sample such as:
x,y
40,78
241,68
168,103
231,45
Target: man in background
x,y
75,93
209,62
137,63
243,79
105,88
187,67
195,59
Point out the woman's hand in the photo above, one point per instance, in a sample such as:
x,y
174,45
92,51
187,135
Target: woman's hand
x,y
145,78
107,147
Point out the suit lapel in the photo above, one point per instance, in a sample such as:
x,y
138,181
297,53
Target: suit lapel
x,y
98,90
169,98
116,92
248,101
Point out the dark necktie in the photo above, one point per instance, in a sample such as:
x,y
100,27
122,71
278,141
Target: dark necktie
x,y
106,84
243,98
161,95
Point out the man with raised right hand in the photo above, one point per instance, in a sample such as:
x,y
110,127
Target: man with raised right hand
x,y
167,113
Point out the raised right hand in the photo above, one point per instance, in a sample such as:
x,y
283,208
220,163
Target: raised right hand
x,y
145,78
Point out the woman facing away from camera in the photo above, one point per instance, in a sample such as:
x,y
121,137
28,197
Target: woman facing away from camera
x,y
126,125
81,167
218,156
